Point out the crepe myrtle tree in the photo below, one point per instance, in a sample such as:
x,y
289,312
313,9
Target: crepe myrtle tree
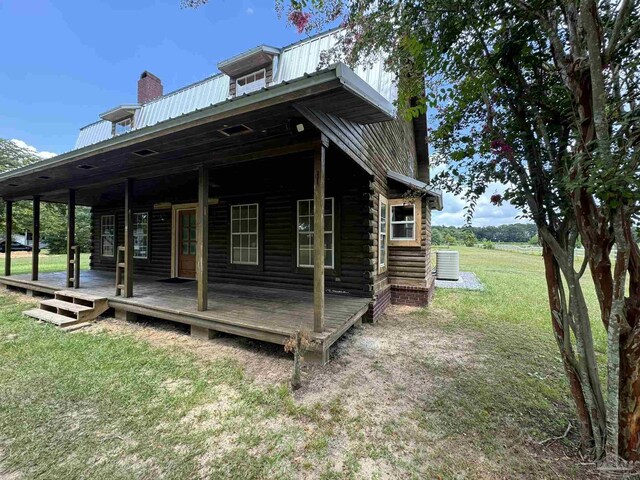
x,y
541,96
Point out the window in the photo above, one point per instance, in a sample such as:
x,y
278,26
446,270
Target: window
x,y
250,83
244,234
405,222
305,233
383,229
141,235
107,235
123,126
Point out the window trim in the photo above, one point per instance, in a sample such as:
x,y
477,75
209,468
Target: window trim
x,y
128,119
115,234
417,223
141,212
264,73
257,233
383,263
333,233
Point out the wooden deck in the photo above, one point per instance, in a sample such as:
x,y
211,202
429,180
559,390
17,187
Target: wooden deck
x,y
267,314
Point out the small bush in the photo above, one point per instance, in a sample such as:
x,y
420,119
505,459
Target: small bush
x,y
488,244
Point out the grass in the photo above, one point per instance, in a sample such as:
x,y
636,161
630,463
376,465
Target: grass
x,y
110,406
21,262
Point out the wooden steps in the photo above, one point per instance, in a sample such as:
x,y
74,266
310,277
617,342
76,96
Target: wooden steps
x,y
69,310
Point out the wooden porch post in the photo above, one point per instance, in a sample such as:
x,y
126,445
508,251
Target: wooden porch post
x,y
128,238
71,236
35,252
202,238
8,237
318,235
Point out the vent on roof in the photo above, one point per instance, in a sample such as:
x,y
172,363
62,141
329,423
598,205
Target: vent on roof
x,y
44,177
145,152
13,185
86,167
235,130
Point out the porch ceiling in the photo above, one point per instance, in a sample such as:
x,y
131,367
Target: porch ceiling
x,y
184,143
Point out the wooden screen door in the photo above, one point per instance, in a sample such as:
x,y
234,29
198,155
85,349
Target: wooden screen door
x,y
187,243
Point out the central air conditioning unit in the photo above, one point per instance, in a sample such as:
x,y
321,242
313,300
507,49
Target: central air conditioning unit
x,y
447,265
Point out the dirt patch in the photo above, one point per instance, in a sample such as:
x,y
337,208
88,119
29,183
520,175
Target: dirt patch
x,y
265,363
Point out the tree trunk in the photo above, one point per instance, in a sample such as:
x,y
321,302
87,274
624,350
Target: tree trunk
x,y
561,332
629,421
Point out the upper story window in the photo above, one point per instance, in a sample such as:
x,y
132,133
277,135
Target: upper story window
x,y
250,83
123,126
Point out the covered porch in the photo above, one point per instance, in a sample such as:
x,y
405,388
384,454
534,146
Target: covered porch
x,y
267,314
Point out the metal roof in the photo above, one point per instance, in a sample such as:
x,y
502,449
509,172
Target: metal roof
x,y
419,185
295,61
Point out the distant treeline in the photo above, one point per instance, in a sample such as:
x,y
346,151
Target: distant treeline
x,y
514,233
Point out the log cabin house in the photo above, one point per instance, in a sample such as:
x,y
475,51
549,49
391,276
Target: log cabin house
x,y
206,202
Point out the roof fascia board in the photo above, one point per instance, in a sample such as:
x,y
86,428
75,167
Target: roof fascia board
x,y
415,183
362,89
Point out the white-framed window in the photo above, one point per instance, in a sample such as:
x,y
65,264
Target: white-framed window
x,y
107,235
244,234
306,233
252,82
141,235
123,126
405,222
383,233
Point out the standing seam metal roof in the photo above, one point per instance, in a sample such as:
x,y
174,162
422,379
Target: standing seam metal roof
x,y
295,61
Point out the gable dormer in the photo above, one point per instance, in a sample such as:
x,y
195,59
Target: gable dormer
x,y
251,70
121,118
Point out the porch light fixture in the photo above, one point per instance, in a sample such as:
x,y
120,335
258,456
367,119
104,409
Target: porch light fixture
x,y
145,152
235,130
300,127
86,167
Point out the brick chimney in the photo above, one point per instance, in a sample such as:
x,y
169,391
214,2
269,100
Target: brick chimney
x,y
149,87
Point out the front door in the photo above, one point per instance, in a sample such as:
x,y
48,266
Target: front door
x,y
187,243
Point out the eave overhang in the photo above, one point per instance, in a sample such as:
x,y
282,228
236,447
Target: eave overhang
x,y
434,196
335,83
248,61
119,113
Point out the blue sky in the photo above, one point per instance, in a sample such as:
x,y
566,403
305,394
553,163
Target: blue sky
x,y
64,62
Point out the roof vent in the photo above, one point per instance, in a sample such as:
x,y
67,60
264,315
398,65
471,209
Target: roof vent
x,y
44,177
235,130
13,185
145,152
86,167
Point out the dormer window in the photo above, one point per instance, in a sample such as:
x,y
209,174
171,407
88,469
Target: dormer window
x,y
123,126
250,83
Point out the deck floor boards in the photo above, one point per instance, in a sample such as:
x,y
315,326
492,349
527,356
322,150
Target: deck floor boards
x,y
279,311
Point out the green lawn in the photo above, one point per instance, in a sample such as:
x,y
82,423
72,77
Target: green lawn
x,y
99,405
47,263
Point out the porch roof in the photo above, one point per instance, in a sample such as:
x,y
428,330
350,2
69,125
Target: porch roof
x,y
184,142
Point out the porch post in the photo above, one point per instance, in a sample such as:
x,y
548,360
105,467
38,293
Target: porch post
x,y
128,238
318,235
71,236
35,252
8,237
202,238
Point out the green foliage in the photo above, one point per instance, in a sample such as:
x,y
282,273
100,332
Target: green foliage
x,y
469,239
53,216
488,245
534,240
515,233
449,239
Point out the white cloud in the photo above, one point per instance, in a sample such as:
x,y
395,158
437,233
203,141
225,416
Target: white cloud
x,y
486,214
44,155
249,11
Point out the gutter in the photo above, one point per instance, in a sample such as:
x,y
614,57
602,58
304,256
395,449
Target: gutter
x,y
226,108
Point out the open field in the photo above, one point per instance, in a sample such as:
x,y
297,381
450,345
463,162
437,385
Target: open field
x,y
467,388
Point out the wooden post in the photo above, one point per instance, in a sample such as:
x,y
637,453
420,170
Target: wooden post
x,y
318,235
202,239
35,252
128,238
71,236
8,238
